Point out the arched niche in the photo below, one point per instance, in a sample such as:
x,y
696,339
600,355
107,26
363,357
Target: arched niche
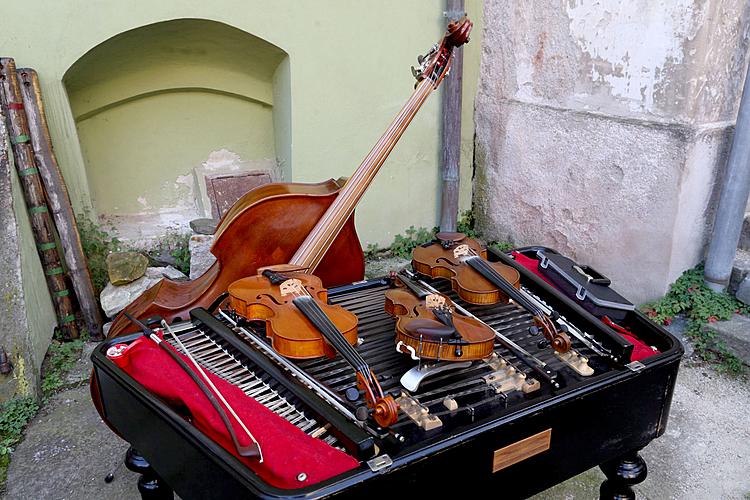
x,y
160,107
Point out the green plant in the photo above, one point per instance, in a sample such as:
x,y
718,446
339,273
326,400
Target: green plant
x,y
465,224
14,415
372,250
177,245
97,244
700,305
502,246
61,358
403,245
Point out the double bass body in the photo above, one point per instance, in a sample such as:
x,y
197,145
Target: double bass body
x,y
264,227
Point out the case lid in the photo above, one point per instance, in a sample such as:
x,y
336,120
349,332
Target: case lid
x,y
601,295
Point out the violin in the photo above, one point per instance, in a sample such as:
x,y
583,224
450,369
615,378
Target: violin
x,y
302,325
464,262
428,327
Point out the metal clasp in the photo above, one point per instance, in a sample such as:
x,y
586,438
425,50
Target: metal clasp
x,y
380,462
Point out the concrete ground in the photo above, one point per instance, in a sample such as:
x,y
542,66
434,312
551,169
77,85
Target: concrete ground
x,y
704,454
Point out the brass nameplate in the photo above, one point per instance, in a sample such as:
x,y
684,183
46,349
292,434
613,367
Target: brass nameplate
x,y
521,450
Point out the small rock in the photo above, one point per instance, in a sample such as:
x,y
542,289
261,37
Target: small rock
x,y
161,260
105,328
166,272
204,226
115,298
735,333
125,267
743,291
201,257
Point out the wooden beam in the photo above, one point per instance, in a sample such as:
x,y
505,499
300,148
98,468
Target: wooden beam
x,y
58,201
41,222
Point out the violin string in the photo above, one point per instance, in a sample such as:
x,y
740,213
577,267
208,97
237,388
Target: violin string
x,y
368,162
343,209
327,229
339,342
477,261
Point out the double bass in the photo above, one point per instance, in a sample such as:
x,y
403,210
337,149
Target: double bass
x,y
310,226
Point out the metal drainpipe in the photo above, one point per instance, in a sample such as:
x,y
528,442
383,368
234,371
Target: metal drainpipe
x,y
733,201
451,133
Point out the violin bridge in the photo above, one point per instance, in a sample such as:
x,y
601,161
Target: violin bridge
x,y
418,413
461,251
291,287
434,301
578,363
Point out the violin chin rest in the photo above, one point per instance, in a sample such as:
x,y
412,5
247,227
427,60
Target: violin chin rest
x,y
429,329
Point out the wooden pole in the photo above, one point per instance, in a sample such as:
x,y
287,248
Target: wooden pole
x,y
451,132
58,201
41,222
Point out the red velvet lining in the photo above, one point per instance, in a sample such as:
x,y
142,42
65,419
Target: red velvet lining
x,y
291,458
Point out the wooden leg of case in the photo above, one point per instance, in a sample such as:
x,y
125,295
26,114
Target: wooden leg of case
x,y
622,473
150,485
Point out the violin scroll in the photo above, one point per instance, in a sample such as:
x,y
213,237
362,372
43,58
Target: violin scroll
x,y
437,62
458,32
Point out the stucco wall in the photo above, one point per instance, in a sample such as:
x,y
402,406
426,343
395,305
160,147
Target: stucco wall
x,y
602,127
27,318
347,75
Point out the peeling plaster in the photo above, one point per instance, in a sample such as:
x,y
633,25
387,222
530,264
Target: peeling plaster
x,y
629,44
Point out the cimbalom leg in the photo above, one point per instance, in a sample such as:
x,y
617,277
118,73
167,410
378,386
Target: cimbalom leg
x,y
622,473
150,485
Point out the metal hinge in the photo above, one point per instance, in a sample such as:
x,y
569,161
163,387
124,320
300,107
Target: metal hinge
x,y
380,462
635,366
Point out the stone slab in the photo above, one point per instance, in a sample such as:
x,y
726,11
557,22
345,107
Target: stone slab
x,y
201,257
81,372
125,267
114,298
743,291
744,243
735,333
204,225
740,270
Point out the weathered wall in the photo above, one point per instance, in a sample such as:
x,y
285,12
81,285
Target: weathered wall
x,y
27,318
602,127
344,76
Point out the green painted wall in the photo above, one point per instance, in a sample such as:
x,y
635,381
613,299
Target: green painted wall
x,y
341,72
128,179
40,313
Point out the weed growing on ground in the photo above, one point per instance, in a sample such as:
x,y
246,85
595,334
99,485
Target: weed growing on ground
x,y
61,358
14,415
690,296
403,245
97,244
465,224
